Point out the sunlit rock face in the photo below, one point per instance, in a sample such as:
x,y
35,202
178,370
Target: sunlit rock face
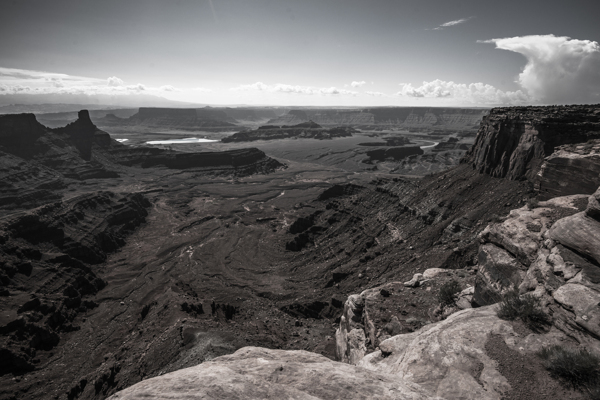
x,y
257,373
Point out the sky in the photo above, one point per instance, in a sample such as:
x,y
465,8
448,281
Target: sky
x,y
302,52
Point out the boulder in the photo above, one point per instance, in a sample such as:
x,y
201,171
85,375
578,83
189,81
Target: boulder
x,y
433,272
580,233
257,373
415,281
584,303
593,207
465,298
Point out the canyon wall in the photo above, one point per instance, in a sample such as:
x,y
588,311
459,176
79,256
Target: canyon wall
x,y
413,118
515,143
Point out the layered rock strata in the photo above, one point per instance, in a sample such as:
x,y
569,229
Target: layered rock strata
x,y
513,142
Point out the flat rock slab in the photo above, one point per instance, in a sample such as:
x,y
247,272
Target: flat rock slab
x,y
257,373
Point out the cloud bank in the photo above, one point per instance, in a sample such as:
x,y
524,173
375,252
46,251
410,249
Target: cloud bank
x,y
19,81
293,89
475,93
559,69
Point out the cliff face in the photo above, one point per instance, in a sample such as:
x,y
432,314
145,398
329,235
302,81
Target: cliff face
x,y
513,142
402,117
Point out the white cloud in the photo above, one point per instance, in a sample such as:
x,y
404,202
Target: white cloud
x,y
452,23
475,93
114,81
293,89
13,81
358,83
376,94
559,69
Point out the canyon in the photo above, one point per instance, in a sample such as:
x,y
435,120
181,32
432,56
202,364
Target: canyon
x,y
284,270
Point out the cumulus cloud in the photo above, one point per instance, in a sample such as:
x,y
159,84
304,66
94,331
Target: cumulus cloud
x,y
559,69
294,89
358,83
114,81
476,93
452,23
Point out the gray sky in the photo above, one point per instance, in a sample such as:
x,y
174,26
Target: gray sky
x,y
305,52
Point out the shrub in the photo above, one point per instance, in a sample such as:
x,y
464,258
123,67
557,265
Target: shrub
x,y
578,368
447,294
527,307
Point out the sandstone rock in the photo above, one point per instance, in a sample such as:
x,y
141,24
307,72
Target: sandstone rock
x,y
351,347
357,334
498,272
415,281
433,272
565,268
465,298
444,357
256,373
520,234
583,302
593,207
570,169
580,233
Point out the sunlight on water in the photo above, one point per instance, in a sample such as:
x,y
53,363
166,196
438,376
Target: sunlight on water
x,y
188,140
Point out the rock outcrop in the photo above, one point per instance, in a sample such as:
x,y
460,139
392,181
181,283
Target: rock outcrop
x,y
570,169
257,373
304,130
513,142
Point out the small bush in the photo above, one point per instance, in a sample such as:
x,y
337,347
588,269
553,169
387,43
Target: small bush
x,y
447,294
527,307
578,368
